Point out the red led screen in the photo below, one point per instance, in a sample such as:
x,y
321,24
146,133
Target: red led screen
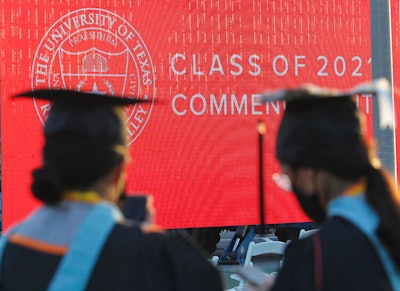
x,y
205,63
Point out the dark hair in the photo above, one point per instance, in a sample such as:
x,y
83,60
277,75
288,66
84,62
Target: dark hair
x,y
382,196
75,158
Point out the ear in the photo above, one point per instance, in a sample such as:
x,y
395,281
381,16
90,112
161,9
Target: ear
x,y
117,173
117,180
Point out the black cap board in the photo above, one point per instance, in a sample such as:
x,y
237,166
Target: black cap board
x,y
83,98
379,88
78,111
322,127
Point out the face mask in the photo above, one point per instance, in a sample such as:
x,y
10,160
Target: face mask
x,y
310,205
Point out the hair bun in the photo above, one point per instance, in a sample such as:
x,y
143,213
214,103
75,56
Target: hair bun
x,y
46,185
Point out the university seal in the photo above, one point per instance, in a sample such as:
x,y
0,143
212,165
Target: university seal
x,y
95,50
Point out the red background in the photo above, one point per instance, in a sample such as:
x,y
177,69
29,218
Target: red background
x,y
201,168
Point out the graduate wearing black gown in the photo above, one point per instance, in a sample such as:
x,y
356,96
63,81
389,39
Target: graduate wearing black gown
x,y
341,185
79,239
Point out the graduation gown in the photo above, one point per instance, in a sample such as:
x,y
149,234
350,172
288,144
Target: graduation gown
x,y
351,256
133,257
349,262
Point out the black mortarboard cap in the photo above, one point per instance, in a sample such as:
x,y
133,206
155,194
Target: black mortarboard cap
x,y
321,127
80,98
73,109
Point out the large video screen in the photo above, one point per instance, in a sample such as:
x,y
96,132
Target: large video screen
x,y
203,63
